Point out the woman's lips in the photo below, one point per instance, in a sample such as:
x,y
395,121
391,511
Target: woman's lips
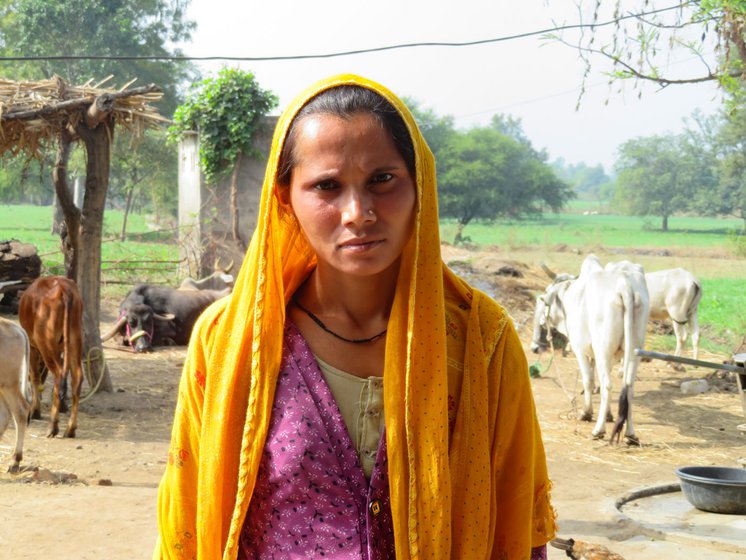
x,y
360,245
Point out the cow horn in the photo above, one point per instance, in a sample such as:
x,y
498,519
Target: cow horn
x,y
164,316
225,270
134,336
115,329
548,271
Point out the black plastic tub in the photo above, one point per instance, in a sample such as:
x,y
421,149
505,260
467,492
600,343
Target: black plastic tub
x,y
714,489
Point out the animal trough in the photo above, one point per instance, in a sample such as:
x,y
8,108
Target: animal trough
x,y
714,489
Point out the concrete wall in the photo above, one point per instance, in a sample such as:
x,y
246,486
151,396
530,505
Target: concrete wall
x,y
209,238
189,176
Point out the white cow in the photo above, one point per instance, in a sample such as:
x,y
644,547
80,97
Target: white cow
x,y
603,314
15,389
676,293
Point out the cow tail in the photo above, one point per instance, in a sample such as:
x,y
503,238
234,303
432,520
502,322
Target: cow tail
x,y
622,414
630,298
628,301
66,337
694,301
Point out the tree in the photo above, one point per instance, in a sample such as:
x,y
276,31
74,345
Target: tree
x,y
659,176
227,111
484,174
645,36
97,28
511,127
730,191
437,130
588,182
144,170
38,28
26,180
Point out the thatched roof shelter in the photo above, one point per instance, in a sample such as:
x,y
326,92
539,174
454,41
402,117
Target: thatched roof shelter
x,y
32,114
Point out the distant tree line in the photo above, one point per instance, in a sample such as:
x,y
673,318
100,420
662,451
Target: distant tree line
x,y
700,171
489,172
590,182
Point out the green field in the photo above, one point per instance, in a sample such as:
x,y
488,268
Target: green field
x,y
590,231
145,255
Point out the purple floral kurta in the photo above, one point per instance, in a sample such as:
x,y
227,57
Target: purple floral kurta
x,y
312,499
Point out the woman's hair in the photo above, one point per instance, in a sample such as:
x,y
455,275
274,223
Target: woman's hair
x,y
346,102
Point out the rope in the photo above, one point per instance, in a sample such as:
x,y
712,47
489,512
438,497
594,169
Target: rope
x,y
88,370
572,397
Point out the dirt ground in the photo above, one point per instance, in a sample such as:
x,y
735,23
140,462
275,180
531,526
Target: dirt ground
x,y
93,497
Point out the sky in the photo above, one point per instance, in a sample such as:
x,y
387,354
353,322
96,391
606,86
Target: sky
x,y
533,79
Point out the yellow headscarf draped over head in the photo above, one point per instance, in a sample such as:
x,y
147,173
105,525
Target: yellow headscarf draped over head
x,y
236,352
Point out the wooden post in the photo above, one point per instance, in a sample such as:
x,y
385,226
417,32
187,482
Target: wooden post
x,y
98,148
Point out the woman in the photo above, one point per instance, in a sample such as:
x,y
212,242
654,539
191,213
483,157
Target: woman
x,y
273,457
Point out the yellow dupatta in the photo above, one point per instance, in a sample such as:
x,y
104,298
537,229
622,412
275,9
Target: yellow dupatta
x,y
482,493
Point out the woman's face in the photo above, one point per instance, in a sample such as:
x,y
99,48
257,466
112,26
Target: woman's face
x,y
351,193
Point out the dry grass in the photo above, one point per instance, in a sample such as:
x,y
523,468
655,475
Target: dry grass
x,y
55,102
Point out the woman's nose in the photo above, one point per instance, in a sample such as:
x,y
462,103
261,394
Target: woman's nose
x,y
358,209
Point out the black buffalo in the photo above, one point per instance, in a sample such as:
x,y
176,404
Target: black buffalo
x,y
160,316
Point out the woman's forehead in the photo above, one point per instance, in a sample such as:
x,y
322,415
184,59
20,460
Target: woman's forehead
x,y
316,123
319,133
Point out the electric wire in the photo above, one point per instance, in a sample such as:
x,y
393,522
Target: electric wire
x,y
184,58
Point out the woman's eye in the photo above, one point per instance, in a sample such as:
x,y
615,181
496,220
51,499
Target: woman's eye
x,y
325,185
382,178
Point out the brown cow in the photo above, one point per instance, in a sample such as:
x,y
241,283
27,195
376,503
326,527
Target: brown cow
x,y
14,384
51,311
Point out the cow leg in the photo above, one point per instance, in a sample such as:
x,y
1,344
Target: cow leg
x,y
63,395
37,385
680,332
586,372
629,380
18,407
77,382
630,438
603,367
54,412
694,330
4,414
625,406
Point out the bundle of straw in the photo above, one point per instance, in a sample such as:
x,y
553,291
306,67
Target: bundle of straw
x,y
34,113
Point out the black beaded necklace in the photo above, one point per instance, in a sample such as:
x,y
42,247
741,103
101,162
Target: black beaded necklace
x,y
320,323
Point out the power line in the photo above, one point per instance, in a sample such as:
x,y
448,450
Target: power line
x,y
550,95
345,53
